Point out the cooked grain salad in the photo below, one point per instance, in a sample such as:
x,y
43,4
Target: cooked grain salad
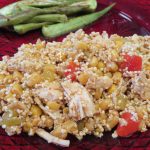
x,y
86,84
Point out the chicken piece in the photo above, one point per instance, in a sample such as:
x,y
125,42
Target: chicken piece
x,y
52,139
79,100
49,92
46,110
141,85
103,82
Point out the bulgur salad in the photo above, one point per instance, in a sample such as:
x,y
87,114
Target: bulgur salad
x,y
86,84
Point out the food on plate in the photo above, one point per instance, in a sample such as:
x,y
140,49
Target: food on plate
x,y
86,84
26,15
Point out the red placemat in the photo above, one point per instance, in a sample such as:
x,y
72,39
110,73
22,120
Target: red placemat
x,y
128,17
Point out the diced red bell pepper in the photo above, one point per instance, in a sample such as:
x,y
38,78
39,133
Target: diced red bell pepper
x,y
132,63
71,74
131,127
72,67
126,116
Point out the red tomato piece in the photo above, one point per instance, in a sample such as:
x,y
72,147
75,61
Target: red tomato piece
x,y
132,63
131,127
71,74
73,66
126,116
71,70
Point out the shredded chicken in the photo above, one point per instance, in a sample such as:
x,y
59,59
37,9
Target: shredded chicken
x,y
54,115
51,91
52,139
141,85
17,105
80,102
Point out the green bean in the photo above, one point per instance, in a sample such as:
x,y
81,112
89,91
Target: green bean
x,y
17,19
48,3
23,28
87,6
55,30
91,5
14,8
21,12
9,9
49,18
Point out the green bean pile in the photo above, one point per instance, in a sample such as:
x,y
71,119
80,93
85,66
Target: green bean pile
x,y
55,17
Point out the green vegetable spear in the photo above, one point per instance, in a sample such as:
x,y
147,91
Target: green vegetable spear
x,y
55,30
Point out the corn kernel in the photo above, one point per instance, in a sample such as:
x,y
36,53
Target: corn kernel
x,y
90,124
28,46
36,55
8,79
108,74
93,62
97,106
49,122
14,113
48,75
112,67
83,78
141,111
35,78
59,132
119,42
101,65
147,67
72,55
49,67
102,117
82,45
121,102
27,54
35,122
27,126
112,122
114,54
99,130
66,44
112,89
36,110
70,126
105,104
81,125
65,110
53,105
39,45
9,96
17,89
2,76
2,86
13,121
2,94
117,77
142,125
99,72
98,93
17,75
87,53
63,56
